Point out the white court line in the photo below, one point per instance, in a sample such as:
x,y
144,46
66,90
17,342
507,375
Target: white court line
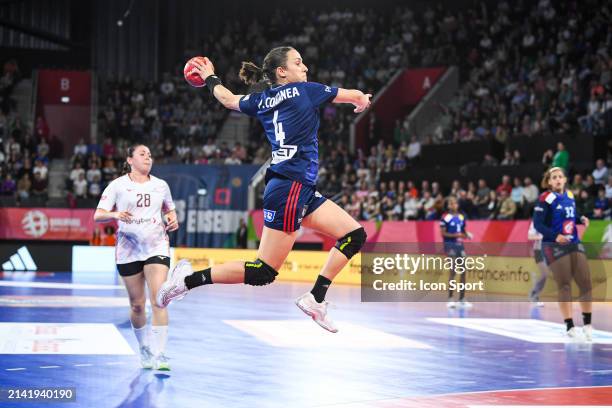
x,y
55,285
83,365
598,371
49,367
14,369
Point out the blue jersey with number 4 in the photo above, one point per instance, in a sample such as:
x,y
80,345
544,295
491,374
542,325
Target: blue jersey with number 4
x,y
554,214
290,117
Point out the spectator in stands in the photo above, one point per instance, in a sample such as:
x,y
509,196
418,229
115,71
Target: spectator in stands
x,y
601,208
240,152
8,186
209,148
504,186
547,158
411,207
590,186
94,160
76,171
79,187
585,204
530,196
93,172
414,149
40,168
561,157
233,159
109,151
609,188
24,185
517,194
489,160
508,159
39,186
600,174
507,207
109,171
492,208
95,188
109,238
80,149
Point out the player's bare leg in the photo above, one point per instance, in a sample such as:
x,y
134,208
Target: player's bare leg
x,y
273,250
135,285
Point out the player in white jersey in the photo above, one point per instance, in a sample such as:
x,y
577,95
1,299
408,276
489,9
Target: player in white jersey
x,y
538,286
144,210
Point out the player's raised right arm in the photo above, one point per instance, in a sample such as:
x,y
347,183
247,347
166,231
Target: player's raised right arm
x,y
206,70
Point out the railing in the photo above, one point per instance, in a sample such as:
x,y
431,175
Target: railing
x,y
427,111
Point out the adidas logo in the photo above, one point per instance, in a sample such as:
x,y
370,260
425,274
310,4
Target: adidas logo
x,y
21,261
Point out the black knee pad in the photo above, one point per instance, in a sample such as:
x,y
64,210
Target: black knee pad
x,y
352,242
258,273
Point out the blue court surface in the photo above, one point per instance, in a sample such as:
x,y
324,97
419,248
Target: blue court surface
x,y
241,346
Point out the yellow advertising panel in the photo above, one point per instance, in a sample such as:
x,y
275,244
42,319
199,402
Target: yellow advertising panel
x,y
501,275
300,266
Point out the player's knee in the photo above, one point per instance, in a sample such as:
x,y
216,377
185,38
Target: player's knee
x,y
137,307
258,273
351,243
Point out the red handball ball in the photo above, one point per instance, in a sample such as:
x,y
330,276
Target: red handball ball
x,y
191,76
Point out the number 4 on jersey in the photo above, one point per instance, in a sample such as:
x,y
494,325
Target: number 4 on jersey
x,y
284,152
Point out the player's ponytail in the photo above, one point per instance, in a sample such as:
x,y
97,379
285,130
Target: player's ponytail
x,y
126,168
250,73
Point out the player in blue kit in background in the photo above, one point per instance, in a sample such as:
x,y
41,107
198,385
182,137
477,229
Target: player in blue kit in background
x,y
288,109
555,217
453,230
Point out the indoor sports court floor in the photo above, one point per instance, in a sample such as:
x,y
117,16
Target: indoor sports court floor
x,y
239,346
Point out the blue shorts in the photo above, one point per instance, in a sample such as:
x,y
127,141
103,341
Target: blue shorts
x,y
286,202
454,249
553,251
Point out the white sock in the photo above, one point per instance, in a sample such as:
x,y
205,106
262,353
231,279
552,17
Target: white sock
x,y
160,336
142,335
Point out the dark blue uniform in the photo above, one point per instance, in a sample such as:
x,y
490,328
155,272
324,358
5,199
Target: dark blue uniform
x,y
453,223
290,117
554,214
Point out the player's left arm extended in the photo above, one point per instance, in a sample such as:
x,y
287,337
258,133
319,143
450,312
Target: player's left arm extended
x,y
355,97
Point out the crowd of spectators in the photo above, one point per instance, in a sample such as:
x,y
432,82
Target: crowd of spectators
x,y
24,152
366,198
529,69
534,68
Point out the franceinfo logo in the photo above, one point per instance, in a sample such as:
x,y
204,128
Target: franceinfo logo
x,y
435,272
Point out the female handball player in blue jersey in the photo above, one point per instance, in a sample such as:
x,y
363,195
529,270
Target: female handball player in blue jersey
x,y
555,217
288,109
453,230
